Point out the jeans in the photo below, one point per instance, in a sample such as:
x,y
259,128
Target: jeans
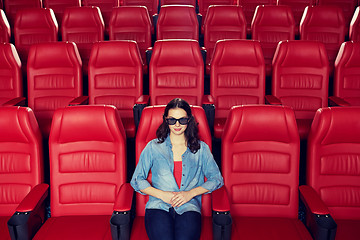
x,y
163,225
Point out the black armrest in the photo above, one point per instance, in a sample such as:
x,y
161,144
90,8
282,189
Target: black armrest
x,y
139,106
221,217
209,108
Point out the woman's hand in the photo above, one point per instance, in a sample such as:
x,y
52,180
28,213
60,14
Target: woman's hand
x,y
167,196
180,198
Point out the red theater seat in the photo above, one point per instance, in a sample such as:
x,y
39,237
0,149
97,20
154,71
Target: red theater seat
x,y
347,73
12,6
132,23
116,78
178,2
204,5
222,22
11,90
87,172
354,31
22,192
237,77
151,5
83,26
300,80
177,22
59,6
332,176
54,80
260,166
270,25
5,31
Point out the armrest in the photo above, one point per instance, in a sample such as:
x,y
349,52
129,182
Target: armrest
x,y
203,54
220,200
319,221
29,215
19,101
221,218
82,100
336,101
148,54
143,99
209,108
270,99
120,219
139,106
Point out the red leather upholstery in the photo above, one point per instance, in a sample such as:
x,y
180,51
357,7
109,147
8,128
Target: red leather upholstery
x,y
249,7
11,79
237,77
54,79
300,79
115,77
176,70
347,71
325,24
178,2
84,26
12,6
34,25
21,160
132,23
151,119
59,6
223,22
5,32
260,166
297,7
204,5
177,22
332,166
87,167
151,5
270,25
354,31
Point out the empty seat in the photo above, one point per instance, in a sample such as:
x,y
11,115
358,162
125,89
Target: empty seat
x,y
54,79
204,5
12,6
354,31
151,5
260,166
83,26
178,2
347,75
177,22
300,79
116,78
33,25
270,25
332,176
5,31
325,24
21,179
223,22
11,82
87,172
237,77
59,6
132,23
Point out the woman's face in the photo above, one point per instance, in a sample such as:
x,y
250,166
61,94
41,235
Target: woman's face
x,y
177,128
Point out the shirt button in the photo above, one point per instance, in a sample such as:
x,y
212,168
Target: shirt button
x,y
183,174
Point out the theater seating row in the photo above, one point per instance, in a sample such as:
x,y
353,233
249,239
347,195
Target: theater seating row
x,y
90,199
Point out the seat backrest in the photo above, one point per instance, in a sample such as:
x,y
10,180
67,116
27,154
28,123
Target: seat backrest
x,y
115,75
34,25
176,70
354,31
59,6
325,24
237,75
132,23
223,22
300,76
151,118
260,161
204,5
151,5
84,26
177,22
87,148
21,156
54,79
12,6
5,31
10,78
332,160
178,2
105,6
270,25
348,7
347,73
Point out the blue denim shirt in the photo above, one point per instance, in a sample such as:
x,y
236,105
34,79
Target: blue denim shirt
x,y
158,157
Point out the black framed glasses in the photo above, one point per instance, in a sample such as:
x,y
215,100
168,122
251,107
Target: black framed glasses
x,y
182,121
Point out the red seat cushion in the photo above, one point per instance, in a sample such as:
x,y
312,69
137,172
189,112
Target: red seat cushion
x,y
347,229
4,233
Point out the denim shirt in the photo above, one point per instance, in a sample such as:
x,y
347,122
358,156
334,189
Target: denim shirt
x,y
158,157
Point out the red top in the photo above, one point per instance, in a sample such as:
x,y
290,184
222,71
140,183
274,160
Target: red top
x,y
178,172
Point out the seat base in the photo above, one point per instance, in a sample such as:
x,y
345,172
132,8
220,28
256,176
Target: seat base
x,y
4,233
347,229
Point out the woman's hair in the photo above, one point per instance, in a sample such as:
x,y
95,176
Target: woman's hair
x,y
191,132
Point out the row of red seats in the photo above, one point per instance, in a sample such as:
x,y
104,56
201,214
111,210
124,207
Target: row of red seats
x,y
260,166
300,78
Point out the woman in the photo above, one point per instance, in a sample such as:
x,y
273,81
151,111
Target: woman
x,y
179,161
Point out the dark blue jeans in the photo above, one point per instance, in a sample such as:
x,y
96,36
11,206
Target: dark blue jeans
x,y
163,225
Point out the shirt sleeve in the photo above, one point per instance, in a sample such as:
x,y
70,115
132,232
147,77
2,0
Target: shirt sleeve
x,y
139,178
211,170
